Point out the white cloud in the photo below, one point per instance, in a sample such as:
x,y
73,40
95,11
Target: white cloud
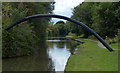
x,y
64,7
61,6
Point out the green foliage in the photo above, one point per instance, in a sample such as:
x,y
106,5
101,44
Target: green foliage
x,y
71,27
81,36
92,37
119,36
19,42
107,22
72,45
112,40
71,35
104,18
82,13
58,29
39,24
62,29
23,39
52,31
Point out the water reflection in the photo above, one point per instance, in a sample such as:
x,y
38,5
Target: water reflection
x,y
72,45
37,62
59,54
46,58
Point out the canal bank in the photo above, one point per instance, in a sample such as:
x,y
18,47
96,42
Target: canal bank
x,y
52,57
92,58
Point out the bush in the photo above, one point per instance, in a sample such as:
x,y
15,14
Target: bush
x,y
81,36
92,37
112,40
71,35
18,42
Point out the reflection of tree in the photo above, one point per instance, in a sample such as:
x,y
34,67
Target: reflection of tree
x,y
50,44
37,62
71,45
51,67
60,45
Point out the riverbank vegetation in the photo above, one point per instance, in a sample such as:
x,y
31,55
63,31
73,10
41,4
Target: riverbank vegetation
x,y
91,57
23,38
59,29
103,18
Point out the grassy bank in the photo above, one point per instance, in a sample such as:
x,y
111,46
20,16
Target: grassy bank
x,y
93,58
114,45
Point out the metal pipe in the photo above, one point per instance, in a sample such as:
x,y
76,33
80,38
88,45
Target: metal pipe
x,y
66,18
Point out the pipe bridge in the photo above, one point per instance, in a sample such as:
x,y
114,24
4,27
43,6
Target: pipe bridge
x,y
65,18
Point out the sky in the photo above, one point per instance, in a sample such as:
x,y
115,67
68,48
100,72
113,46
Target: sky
x,y
64,8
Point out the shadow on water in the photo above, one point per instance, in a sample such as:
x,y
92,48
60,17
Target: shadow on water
x,y
50,57
37,62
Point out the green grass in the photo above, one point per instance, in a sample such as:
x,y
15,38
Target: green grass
x,y
93,58
114,45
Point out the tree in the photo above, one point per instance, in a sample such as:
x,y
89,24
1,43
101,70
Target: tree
x,y
106,19
101,17
57,30
22,39
82,13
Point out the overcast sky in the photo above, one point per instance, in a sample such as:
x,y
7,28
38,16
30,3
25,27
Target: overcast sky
x,y
65,7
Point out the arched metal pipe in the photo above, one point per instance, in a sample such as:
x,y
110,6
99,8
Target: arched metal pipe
x,y
66,18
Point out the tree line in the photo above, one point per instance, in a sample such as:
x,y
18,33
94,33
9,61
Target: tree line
x,y
102,17
23,38
57,30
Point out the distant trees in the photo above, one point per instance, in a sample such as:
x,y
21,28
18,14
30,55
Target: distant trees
x,y
58,29
104,18
52,30
22,39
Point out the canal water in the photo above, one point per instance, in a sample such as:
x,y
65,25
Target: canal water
x,y
52,57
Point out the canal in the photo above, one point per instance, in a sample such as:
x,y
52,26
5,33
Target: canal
x,y
52,57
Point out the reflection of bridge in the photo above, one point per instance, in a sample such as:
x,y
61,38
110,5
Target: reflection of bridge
x,y
66,18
